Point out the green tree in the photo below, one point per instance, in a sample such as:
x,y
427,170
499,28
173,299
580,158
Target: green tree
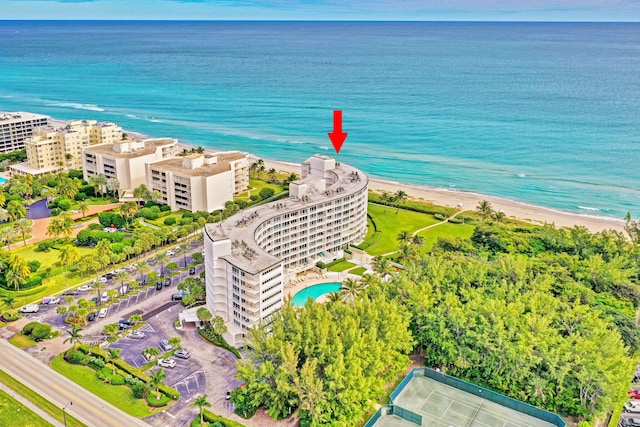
x,y
111,329
23,226
175,342
9,300
485,210
17,272
84,208
16,210
155,379
399,197
69,255
204,315
75,337
200,402
151,353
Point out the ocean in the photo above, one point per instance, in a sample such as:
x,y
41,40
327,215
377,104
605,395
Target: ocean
x,y
543,113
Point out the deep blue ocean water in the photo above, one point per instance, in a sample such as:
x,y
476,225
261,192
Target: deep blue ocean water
x,y
544,113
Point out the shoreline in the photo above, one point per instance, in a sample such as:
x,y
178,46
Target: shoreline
x,y
469,200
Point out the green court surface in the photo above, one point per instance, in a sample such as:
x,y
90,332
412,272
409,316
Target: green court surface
x,y
443,406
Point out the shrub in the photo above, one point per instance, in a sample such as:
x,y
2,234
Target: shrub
x,y
156,403
96,363
76,357
10,317
169,221
80,197
321,264
88,190
265,193
165,208
64,204
26,330
187,215
456,220
107,219
34,265
75,173
241,203
41,331
55,211
254,198
45,245
140,390
32,282
117,380
185,220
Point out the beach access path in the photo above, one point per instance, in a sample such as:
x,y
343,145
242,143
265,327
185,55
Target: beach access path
x,y
468,201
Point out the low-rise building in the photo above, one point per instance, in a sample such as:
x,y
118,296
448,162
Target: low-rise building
x,y
53,149
17,127
250,256
126,160
199,182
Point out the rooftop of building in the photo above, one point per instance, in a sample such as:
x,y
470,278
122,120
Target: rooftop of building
x,y
222,163
241,228
431,398
19,116
150,147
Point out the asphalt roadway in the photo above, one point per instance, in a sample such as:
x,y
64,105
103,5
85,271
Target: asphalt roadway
x,y
87,407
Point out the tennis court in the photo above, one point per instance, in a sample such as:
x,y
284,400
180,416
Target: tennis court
x,y
441,405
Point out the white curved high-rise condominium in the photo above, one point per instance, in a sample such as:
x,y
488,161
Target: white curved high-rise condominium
x,y
250,256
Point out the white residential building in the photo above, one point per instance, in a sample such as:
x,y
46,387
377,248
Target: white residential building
x,y
250,256
51,149
126,160
17,127
199,182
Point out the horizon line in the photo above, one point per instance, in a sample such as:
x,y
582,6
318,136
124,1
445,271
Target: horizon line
x,y
327,20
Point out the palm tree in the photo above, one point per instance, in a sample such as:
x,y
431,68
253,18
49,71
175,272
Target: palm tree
x,y
9,300
162,258
404,237
417,240
142,268
61,225
156,196
485,210
272,174
499,216
99,182
23,226
151,352
7,235
68,255
333,297
98,287
155,380
175,341
74,336
114,354
16,210
18,271
182,248
113,186
141,192
349,290
204,315
122,276
382,266
84,208
399,197
407,253
201,403
386,198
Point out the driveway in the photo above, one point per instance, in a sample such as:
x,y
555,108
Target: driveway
x,y
38,210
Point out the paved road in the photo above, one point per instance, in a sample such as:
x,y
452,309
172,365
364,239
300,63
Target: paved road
x,y
87,407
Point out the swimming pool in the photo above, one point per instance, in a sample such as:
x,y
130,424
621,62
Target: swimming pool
x,y
314,292
2,180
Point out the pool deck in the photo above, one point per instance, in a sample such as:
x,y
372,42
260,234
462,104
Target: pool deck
x,y
312,278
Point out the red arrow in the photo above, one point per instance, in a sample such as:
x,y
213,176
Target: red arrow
x,y
337,136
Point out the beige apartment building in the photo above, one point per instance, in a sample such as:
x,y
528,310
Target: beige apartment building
x,y
199,182
51,150
126,160
17,127
250,256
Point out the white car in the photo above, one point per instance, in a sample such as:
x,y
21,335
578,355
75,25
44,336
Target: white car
x,y
171,253
103,312
30,308
102,279
167,363
85,288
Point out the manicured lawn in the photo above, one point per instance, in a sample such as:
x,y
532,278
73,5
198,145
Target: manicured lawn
x,y
33,397
160,221
358,271
341,266
211,417
21,341
15,413
390,224
120,396
255,185
464,231
47,258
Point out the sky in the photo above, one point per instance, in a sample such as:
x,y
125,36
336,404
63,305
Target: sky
x,y
391,10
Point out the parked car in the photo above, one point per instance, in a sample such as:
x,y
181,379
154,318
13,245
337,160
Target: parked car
x,y
167,363
165,346
123,289
167,281
182,354
102,279
158,286
192,271
634,394
103,312
125,324
632,406
176,297
92,316
136,335
85,288
228,396
104,297
30,308
171,253
51,300
95,300
631,422
108,276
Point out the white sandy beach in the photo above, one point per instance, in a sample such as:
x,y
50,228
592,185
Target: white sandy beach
x,y
469,201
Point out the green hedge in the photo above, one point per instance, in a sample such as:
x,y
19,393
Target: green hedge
x,y
156,403
414,205
217,340
212,418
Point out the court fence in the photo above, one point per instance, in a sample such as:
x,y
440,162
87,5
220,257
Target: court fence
x,y
459,384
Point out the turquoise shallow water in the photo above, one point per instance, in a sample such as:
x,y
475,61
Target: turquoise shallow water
x,y
544,113
315,291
